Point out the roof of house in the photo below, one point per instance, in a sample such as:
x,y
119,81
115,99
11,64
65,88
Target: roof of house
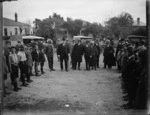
x,y
10,22
136,24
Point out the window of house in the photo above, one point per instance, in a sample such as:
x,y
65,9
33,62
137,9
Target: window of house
x,y
10,33
20,30
16,31
5,32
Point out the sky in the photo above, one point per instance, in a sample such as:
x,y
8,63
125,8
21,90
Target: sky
x,y
88,10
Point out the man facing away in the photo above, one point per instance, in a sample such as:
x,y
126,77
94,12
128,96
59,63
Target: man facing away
x,y
63,53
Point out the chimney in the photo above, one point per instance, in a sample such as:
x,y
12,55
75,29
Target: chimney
x,y
16,17
138,21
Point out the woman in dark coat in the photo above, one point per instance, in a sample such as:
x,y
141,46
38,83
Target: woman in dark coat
x,y
109,59
77,54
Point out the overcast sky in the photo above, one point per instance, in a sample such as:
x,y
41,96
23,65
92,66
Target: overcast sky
x,y
88,10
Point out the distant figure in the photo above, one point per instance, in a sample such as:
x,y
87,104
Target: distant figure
x,y
78,53
14,66
72,54
41,60
93,55
87,55
63,54
49,51
35,57
108,54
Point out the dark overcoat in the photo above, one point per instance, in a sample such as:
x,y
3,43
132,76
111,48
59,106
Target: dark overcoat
x,y
77,52
108,54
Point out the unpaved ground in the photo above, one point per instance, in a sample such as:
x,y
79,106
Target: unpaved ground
x,y
74,92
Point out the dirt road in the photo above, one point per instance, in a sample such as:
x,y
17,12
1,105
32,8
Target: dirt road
x,y
68,93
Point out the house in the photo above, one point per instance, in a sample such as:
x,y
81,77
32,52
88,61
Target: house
x,y
139,23
13,29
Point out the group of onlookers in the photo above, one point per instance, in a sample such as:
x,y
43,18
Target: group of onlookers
x,y
20,60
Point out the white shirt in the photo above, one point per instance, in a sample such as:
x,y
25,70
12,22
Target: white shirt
x,y
22,56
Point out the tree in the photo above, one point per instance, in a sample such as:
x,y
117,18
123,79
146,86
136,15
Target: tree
x,y
119,25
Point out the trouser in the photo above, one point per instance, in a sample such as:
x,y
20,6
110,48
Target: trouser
x,y
87,62
66,63
36,67
77,63
42,64
50,62
22,66
28,72
14,74
97,60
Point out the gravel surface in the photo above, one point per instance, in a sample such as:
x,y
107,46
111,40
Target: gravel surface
x,y
68,93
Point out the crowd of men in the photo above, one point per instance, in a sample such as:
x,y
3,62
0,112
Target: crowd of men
x,y
132,61
20,60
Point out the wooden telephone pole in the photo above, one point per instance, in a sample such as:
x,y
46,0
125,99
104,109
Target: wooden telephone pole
x,y
1,54
148,37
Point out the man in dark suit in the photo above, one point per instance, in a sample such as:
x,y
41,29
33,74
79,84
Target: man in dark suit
x,y
78,52
98,53
87,55
35,58
63,54
108,54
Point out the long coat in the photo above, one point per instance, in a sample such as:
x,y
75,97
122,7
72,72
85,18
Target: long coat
x,y
93,55
108,54
63,51
77,52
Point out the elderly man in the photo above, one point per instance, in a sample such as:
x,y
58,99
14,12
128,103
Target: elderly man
x,y
49,51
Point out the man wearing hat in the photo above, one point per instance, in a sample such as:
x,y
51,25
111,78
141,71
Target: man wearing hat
x,y
63,54
78,52
108,54
49,51
87,55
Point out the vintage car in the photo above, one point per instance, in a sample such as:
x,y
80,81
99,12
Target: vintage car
x,y
136,38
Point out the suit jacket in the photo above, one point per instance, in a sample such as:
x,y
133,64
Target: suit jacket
x,y
63,50
86,50
35,56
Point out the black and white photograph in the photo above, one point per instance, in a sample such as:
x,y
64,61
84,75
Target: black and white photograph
x,y
74,57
